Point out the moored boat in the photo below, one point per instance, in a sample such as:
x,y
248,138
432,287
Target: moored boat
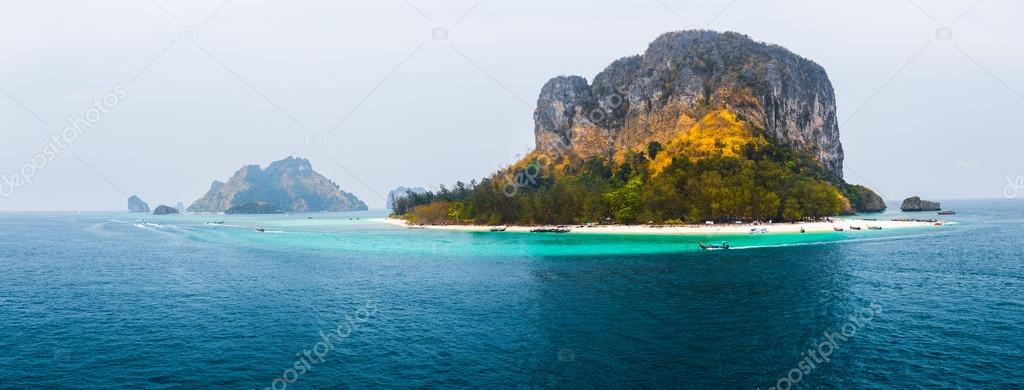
x,y
874,228
947,212
556,229
498,228
713,247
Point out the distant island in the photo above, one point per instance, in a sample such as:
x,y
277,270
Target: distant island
x,y
164,210
704,126
914,203
288,185
399,192
136,205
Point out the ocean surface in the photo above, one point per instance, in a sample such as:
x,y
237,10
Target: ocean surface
x,y
342,300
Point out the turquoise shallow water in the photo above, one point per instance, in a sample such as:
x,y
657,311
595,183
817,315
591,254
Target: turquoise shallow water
x,y
94,301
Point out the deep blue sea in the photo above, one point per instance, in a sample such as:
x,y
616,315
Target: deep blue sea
x,y
98,300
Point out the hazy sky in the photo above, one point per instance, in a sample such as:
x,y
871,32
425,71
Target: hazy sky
x,y
252,81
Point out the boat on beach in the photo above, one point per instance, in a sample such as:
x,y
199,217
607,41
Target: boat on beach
x,y
837,228
556,229
854,227
498,228
874,228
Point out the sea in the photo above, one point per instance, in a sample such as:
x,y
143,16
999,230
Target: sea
x,y
95,300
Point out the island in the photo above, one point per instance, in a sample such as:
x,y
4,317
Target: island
x,y
136,205
165,210
703,128
287,185
914,203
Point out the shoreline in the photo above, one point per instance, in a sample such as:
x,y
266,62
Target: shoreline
x,y
702,230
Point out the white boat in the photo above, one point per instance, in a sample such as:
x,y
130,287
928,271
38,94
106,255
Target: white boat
x,y
713,247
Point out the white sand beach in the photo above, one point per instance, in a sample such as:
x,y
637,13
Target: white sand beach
x,y
847,224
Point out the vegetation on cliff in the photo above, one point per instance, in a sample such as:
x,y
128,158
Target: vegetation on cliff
x,y
722,170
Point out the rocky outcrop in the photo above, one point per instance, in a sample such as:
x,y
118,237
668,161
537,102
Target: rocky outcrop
x,y
400,191
164,210
914,203
136,205
290,184
863,199
257,207
681,77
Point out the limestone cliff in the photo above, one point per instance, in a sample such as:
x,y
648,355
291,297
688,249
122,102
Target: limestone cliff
x,y
915,203
136,205
681,78
164,210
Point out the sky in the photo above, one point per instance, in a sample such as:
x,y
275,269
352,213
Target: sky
x,y
169,95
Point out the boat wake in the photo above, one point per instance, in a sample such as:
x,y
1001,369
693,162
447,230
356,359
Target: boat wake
x,y
866,239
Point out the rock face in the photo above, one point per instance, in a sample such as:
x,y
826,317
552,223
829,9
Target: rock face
x,y
865,200
136,205
290,184
164,210
258,207
682,76
914,203
401,191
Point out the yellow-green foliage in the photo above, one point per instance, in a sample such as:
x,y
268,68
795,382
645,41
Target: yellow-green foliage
x,y
719,133
719,169
431,214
